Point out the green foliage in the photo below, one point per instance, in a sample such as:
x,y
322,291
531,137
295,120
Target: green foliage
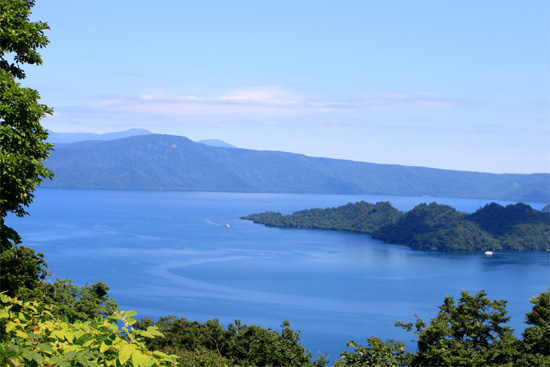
x,y
72,302
23,146
468,333
377,353
210,343
359,217
516,226
23,275
32,336
536,337
201,357
22,142
23,150
22,268
436,226
431,226
19,37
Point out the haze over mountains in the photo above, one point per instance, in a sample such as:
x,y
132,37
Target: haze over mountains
x,y
147,161
57,138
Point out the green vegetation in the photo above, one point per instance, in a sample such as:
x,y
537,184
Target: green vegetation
x,y
165,162
377,353
535,349
23,148
359,217
33,336
470,332
210,344
431,226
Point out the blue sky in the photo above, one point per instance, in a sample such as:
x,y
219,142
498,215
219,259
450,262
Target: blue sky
x,y
447,84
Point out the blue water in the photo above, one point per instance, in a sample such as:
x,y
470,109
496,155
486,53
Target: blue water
x,y
165,253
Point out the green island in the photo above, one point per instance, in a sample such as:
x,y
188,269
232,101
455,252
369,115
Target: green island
x,y
433,226
61,324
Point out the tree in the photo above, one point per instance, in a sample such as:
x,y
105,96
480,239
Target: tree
x,y
72,302
210,344
536,337
377,353
470,333
23,146
22,270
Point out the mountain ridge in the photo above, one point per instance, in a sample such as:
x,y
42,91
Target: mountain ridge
x,y
67,138
168,162
216,143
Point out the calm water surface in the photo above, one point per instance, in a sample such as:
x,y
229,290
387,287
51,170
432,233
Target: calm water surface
x,y
165,253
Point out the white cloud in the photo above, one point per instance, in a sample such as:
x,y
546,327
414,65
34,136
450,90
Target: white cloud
x,y
271,95
253,101
387,101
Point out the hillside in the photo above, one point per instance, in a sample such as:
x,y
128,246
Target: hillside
x,y
166,162
431,226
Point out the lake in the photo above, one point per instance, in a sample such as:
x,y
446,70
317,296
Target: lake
x,y
172,253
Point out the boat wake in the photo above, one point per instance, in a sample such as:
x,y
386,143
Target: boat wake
x,y
213,223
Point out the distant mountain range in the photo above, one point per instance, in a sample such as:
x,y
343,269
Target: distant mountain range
x,y
59,138
56,138
166,162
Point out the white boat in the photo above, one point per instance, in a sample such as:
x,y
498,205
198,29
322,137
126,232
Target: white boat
x,y
488,252
227,225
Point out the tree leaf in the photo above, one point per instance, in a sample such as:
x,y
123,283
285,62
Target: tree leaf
x,y
130,313
125,352
69,336
21,334
10,326
139,359
45,348
103,347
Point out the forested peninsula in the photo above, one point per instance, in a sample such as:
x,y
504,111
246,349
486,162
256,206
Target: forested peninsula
x,y
434,226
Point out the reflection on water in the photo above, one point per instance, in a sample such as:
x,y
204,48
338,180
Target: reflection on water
x,y
168,253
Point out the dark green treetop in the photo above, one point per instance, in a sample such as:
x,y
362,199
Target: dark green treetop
x,y
211,344
536,337
20,38
377,353
470,332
